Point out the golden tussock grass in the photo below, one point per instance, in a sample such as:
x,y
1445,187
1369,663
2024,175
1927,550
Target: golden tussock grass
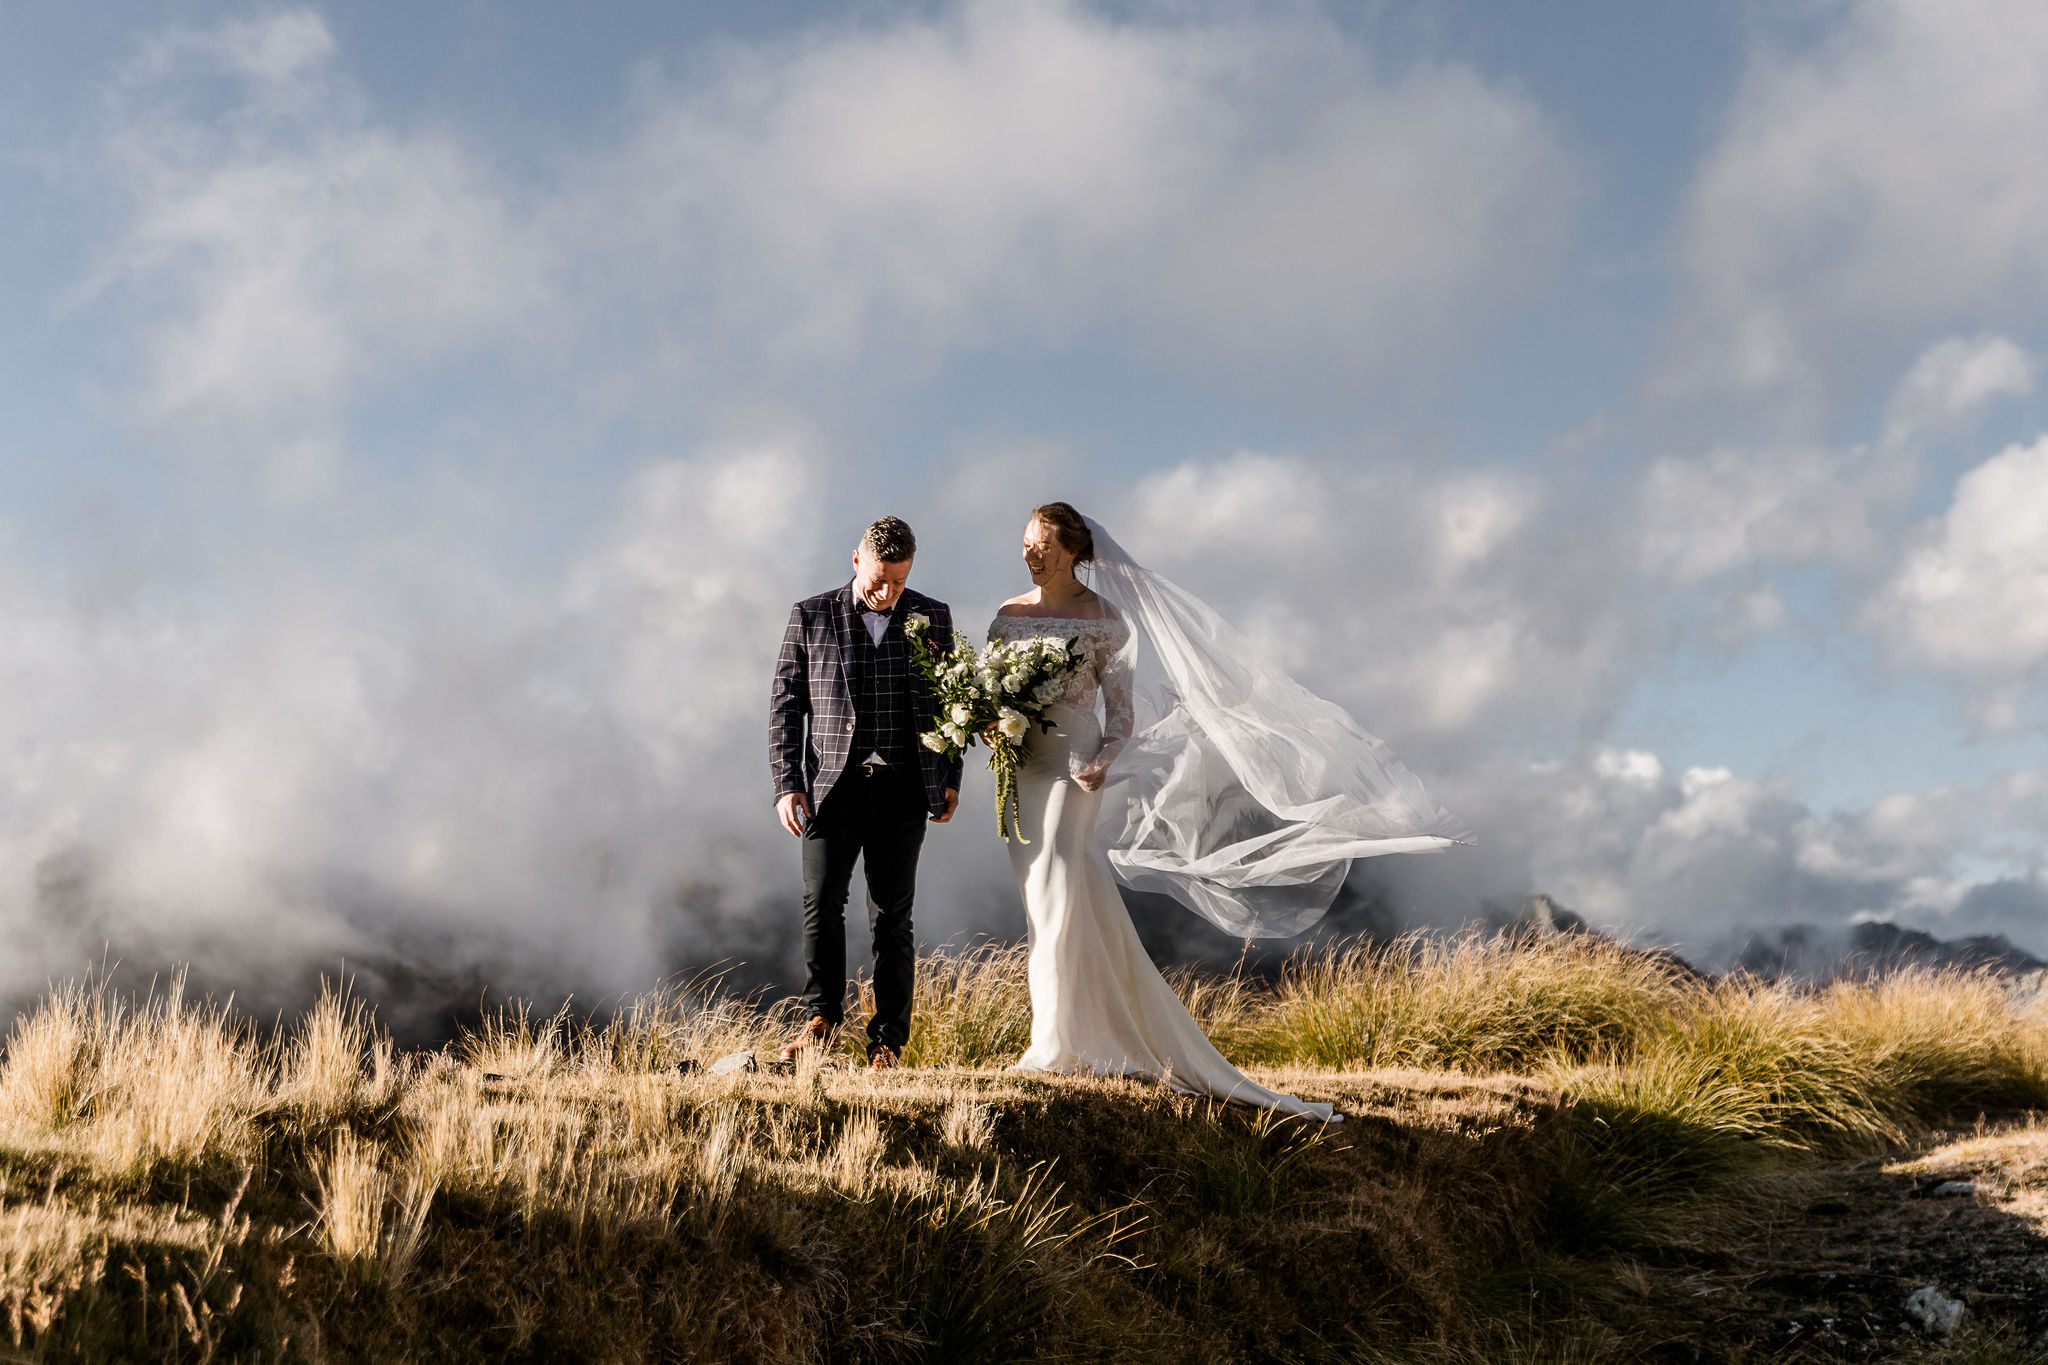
x,y
1469,1003
176,1185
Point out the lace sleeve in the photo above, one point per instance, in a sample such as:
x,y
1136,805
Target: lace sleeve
x,y
1115,668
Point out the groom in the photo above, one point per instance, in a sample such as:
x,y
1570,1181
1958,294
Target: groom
x,y
859,784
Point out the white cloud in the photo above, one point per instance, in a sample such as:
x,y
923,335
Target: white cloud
x,y
844,208
1954,380
1746,612
1009,168
1703,516
1735,509
280,55
915,173
1472,618
287,255
688,591
1701,857
1883,181
1970,597
1638,766
273,49
863,197
543,759
1460,609
1395,215
563,785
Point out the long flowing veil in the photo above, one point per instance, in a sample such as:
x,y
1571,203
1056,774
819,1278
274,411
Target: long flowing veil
x,y
1248,795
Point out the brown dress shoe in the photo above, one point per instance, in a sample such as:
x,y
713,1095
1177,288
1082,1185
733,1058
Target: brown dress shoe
x,y
882,1057
816,1034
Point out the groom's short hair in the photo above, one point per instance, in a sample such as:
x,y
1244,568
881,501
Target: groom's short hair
x,y
889,539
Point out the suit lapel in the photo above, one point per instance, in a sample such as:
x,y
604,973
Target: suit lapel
x,y
848,623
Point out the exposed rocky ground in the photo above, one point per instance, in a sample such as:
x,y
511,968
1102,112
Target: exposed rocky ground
x,y
1826,1272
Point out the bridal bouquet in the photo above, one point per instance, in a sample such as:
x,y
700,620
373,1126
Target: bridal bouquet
x,y
997,695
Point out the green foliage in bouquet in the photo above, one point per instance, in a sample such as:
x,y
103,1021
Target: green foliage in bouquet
x,y
996,695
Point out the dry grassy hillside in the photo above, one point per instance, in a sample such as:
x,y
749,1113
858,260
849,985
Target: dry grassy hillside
x,y
1559,1151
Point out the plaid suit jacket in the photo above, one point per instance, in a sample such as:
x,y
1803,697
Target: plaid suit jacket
x,y
810,706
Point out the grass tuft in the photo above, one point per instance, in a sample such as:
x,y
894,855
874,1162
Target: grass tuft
x,y
1467,1003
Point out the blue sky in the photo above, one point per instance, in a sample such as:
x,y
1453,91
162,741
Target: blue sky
x,y
419,420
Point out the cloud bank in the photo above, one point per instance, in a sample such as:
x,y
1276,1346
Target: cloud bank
x,y
496,473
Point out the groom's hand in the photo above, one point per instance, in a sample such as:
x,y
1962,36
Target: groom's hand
x,y
795,810
952,804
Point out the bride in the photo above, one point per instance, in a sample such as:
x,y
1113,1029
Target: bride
x,y
1244,796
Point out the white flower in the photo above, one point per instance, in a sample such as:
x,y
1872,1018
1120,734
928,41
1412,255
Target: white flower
x,y
955,733
1014,683
934,741
1012,724
961,715
915,622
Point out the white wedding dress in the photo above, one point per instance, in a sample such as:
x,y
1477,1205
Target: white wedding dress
x,y
1097,1003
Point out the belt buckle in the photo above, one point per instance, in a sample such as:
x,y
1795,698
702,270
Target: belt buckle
x,y
873,769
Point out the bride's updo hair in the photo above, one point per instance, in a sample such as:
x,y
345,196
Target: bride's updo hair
x,y
1068,528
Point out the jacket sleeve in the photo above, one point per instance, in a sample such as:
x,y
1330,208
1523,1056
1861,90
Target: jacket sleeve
x,y
789,705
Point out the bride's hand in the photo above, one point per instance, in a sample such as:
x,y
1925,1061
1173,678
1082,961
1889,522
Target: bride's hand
x,y
1089,779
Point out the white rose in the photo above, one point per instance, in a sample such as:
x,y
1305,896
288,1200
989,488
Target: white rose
x,y
961,715
1012,724
915,622
1013,683
934,741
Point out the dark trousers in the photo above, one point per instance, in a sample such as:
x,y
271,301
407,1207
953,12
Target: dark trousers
x,y
879,818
